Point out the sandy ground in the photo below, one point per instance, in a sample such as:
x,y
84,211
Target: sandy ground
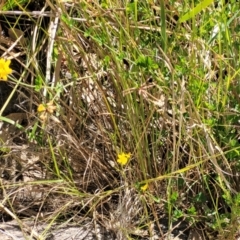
x,y
11,231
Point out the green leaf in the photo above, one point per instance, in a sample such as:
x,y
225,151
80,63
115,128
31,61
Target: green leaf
x,y
193,12
146,62
192,210
177,214
38,83
200,198
10,4
66,19
174,197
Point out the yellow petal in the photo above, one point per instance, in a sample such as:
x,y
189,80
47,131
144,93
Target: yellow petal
x,y
144,187
7,62
41,108
3,77
4,69
123,158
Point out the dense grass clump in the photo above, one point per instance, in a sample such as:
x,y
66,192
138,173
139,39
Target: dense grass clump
x,y
126,112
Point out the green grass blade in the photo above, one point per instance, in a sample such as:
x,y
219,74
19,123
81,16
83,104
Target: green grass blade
x,y
193,12
163,26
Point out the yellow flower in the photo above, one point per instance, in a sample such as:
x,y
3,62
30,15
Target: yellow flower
x,y
41,108
144,187
45,110
5,70
49,107
123,158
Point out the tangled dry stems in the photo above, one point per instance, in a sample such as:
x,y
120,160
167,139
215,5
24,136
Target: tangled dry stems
x,y
70,167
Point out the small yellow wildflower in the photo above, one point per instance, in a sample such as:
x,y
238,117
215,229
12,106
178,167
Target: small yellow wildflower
x,y
5,70
144,187
123,158
41,108
45,109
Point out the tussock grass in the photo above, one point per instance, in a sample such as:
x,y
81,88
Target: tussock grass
x,y
155,80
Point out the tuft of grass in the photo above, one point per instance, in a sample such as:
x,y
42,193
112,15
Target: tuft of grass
x,y
131,115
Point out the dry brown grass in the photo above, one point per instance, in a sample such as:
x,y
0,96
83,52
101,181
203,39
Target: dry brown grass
x,y
115,89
